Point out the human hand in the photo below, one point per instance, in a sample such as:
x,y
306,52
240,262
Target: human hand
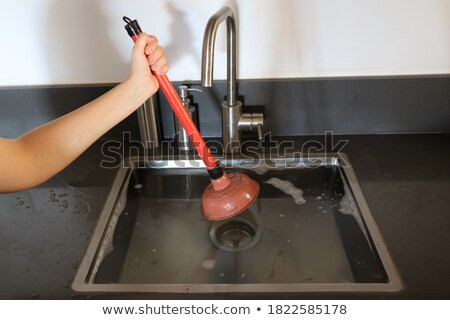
x,y
146,52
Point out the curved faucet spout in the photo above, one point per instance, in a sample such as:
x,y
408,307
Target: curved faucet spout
x,y
209,39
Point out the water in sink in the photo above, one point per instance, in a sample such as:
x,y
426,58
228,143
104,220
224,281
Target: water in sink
x,y
300,230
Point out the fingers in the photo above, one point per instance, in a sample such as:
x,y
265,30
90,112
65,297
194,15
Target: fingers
x,y
154,53
151,47
158,61
160,68
144,41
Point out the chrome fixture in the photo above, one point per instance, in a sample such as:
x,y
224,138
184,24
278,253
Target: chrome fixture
x,y
233,120
148,124
183,142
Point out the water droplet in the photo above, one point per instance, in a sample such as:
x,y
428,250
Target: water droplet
x,y
281,215
208,264
243,275
222,275
138,186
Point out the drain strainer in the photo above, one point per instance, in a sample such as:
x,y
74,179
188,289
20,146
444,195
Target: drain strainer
x,y
235,235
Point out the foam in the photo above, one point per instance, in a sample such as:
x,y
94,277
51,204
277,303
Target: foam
x,y
348,206
208,264
107,244
288,188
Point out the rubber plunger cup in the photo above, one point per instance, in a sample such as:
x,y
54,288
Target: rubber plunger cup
x,y
228,196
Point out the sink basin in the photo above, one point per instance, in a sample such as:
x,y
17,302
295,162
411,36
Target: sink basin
x,y
309,230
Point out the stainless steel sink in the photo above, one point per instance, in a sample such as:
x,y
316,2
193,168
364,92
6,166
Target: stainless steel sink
x,y
309,230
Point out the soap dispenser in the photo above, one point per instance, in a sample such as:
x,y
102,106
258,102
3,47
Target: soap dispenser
x,y
183,142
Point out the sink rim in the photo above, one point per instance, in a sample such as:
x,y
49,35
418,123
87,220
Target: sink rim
x,y
83,278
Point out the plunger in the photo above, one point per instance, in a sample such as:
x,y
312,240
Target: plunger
x,y
228,194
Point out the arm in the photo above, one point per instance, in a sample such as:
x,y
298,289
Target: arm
x,y
41,153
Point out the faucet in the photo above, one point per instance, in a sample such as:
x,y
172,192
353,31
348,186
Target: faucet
x,y
233,120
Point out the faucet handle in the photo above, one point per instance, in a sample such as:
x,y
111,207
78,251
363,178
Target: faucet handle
x,y
252,121
259,127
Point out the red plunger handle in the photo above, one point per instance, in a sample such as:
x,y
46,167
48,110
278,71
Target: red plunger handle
x,y
182,115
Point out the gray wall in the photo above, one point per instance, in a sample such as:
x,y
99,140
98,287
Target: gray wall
x,y
291,107
345,106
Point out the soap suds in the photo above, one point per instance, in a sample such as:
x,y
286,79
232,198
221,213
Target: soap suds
x,y
288,188
348,206
209,264
260,170
107,244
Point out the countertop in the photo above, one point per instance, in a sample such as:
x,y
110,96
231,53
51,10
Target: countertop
x,y
45,231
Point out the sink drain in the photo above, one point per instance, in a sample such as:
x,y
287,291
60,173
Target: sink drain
x,y
235,235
